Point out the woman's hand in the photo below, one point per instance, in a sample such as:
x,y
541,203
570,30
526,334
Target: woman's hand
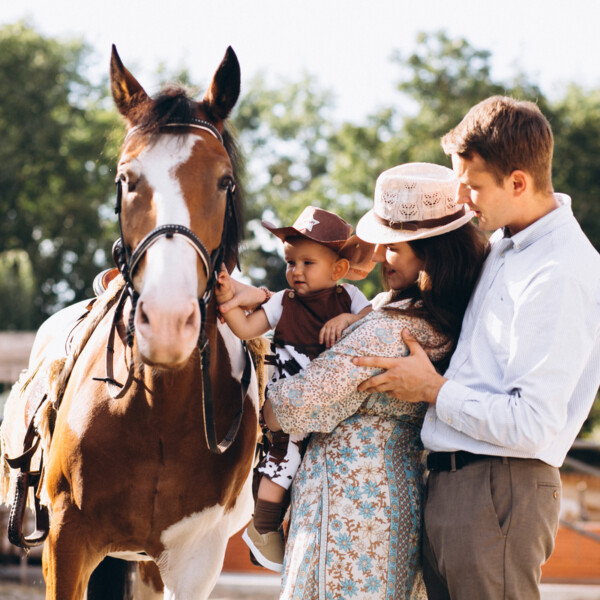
x,y
412,378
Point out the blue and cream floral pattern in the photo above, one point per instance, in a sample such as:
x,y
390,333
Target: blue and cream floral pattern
x,y
355,530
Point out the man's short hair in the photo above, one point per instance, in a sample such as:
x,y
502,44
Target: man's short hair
x,y
508,134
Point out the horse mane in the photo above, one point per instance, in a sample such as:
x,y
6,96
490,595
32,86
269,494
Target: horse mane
x,y
173,104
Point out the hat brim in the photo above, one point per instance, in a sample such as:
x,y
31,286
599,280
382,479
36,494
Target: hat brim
x,y
286,232
359,255
372,230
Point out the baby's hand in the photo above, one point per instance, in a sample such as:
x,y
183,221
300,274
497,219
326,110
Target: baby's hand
x,y
223,287
332,330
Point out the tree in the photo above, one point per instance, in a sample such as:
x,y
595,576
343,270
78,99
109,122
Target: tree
x,y
291,141
438,84
284,135
17,289
446,77
55,165
576,124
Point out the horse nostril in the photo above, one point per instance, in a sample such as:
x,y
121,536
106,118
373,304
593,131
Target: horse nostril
x,y
191,320
193,317
143,316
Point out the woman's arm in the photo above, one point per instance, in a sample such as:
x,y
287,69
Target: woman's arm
x,y
325,393
411,377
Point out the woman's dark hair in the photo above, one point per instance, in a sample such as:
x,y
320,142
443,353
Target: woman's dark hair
x,y
453,261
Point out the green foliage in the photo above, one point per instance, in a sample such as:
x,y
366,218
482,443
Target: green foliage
x,y
17,289
60,145
287,134
591,428
284,134
59,151
576,126
55,165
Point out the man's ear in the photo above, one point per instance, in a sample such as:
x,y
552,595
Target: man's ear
x,y
340,268
520,182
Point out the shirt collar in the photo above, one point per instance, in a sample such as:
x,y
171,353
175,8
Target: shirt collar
x,y
548,223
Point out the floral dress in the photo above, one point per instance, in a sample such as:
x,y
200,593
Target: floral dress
x,y
355,529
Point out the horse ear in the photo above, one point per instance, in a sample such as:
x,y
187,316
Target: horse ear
x,y
224,88
126,90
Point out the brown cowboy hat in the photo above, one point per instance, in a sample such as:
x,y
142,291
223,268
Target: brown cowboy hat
x,y
328,229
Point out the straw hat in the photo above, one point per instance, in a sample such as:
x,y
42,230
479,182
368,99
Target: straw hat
x,y
328,229
413,201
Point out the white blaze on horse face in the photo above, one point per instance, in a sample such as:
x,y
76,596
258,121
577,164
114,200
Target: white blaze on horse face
x,y
167,318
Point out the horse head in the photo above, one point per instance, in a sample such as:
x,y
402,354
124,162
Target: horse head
x,y
178,205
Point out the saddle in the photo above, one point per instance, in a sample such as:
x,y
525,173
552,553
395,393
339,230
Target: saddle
x,y
41,392
26,477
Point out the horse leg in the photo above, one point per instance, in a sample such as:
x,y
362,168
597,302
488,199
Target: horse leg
x,y
66,560
148,585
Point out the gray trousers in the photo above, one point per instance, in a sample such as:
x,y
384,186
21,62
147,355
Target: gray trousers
x,y
488,529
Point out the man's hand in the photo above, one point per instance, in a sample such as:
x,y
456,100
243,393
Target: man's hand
x,y
411,378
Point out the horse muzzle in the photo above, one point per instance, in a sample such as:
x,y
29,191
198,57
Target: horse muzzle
x,y
167,330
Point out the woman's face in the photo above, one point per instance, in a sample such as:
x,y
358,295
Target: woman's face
x,y
401,265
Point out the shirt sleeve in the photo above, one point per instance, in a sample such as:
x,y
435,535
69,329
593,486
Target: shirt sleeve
x,y
325,394
540,374
357,298
273,308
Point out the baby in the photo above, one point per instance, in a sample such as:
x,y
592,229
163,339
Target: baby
x,y
319,251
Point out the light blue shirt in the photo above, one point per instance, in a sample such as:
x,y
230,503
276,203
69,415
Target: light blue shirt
x,y
526,368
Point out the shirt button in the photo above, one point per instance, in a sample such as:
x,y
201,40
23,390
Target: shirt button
x,y
449,421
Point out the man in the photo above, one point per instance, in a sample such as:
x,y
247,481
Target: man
x,y
524,373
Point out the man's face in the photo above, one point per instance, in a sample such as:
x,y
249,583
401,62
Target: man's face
x,y
478,188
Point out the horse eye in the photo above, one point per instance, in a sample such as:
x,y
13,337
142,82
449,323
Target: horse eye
x,y
127,182
225,182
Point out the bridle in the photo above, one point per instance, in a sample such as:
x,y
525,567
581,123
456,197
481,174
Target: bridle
x,y
127,262
211,262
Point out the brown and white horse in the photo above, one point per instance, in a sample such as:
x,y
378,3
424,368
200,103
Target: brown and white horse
x,y
129,473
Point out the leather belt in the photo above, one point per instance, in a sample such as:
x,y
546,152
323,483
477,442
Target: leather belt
x,y
452,461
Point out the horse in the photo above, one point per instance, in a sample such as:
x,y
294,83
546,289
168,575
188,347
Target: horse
x,y
132,467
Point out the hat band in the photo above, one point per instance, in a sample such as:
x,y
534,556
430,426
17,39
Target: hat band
x,y
425,224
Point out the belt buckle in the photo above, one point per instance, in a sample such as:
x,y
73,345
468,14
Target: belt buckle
x,y
452,462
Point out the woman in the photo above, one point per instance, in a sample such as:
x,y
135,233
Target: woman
x,y
356,500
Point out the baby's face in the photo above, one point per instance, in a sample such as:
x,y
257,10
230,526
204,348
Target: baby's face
x,y
310,266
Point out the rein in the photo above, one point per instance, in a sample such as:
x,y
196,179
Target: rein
x,y
211,262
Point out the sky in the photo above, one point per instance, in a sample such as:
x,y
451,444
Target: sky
x,y
345,44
